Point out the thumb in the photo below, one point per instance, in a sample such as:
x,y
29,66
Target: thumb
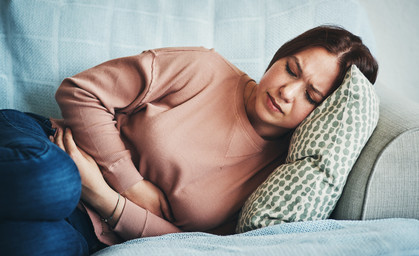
x,y
69,144
86,155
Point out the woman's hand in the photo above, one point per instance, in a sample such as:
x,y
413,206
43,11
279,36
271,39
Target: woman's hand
x,y
91,176
150,197
95,191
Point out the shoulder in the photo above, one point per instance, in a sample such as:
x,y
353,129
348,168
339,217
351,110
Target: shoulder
x,y
200,58
188,71
181,50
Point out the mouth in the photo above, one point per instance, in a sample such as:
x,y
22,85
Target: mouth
x,y
273,104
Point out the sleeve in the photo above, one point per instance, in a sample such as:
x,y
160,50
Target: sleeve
x,y
136,222
89,102
92,101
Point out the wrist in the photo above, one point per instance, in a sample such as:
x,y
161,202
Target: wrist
x,y
113,218
109,205
103,200
96,198
133,190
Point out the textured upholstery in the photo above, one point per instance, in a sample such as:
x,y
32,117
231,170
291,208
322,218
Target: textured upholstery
x,y
383,182
314,238
44,41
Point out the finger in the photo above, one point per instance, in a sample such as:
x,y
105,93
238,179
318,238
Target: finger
x,y
59,138
69,143
165,208
85,155
57,123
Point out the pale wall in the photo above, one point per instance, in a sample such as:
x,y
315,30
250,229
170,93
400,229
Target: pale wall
x,y
396,28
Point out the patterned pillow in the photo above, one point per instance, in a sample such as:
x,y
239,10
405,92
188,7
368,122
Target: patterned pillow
x,y
322,151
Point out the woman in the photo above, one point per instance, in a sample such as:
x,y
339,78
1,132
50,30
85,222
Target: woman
x,y
183,137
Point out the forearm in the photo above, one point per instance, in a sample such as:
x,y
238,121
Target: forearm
x,y
127,219
90,103
95,132
106,202
136,222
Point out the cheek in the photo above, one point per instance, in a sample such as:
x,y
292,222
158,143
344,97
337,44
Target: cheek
x,y
301,113
262,87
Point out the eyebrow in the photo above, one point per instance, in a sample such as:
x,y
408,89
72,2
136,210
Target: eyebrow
x,y
297,62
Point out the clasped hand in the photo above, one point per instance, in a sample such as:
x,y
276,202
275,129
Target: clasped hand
x,y
97,193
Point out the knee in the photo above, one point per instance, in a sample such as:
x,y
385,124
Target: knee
x,y
60,183
43,185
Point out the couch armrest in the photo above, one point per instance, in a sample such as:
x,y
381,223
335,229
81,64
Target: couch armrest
x,y
384,181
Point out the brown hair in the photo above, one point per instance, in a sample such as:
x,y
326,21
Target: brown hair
x,y
346,46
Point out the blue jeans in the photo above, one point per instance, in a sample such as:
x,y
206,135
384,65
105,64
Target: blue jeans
x,y
40,188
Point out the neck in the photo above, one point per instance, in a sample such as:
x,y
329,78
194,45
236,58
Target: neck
x,y
269,132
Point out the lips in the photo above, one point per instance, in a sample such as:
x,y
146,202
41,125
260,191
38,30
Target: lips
x,y
272,103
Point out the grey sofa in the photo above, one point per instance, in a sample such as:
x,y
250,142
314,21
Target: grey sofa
x,y
384,181
42,42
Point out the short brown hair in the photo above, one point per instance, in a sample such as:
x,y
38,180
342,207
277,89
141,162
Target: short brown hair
x,y
346,46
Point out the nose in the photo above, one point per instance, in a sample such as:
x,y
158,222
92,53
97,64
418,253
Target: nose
x,y
289,91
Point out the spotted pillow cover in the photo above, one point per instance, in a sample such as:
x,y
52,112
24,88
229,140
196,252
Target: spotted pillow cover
x,y
322,151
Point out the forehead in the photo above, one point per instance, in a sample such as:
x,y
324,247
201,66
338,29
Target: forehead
x,y
319,67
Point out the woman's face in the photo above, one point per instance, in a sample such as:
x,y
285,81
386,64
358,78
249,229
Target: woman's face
x,y
292,88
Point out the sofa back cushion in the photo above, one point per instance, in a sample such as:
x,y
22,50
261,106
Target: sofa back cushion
x,y
42,42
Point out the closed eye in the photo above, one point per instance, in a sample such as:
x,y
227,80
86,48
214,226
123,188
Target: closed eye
x,y
310,99
289,71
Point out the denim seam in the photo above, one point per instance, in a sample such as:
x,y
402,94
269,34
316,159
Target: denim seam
x,y
38,155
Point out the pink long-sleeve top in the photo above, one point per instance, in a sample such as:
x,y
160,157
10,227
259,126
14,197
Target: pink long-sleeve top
x,y
177,118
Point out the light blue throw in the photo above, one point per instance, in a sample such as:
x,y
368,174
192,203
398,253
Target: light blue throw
x,y
325,237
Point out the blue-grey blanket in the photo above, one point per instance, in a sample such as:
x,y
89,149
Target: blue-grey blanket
x,y
326,237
